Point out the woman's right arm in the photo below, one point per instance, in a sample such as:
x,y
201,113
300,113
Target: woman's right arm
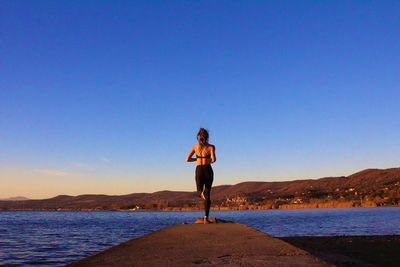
x,y
189,156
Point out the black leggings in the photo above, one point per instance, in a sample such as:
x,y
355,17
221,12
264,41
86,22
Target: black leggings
x,y
204,180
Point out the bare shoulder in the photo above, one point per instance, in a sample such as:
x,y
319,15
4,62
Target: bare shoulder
x,y
212,146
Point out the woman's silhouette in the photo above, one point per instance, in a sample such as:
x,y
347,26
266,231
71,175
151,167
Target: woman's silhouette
x,y
205,155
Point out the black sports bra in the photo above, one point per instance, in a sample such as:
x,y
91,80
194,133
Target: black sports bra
x,y
203,157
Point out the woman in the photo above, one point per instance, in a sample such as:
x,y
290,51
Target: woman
x,y
205,155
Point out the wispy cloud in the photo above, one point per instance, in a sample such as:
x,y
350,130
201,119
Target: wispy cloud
x,y
82,166
52,172
106,160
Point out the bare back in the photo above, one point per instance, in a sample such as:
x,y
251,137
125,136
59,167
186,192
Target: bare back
x,y
205,154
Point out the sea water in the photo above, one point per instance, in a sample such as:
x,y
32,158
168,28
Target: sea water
x,y
54,238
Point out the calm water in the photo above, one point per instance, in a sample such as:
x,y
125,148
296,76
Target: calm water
x,y
55,238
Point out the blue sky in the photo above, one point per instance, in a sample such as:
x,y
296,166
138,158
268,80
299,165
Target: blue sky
x,y
107,96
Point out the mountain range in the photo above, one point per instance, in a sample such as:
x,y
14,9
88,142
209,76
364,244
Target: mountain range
x,y
367,188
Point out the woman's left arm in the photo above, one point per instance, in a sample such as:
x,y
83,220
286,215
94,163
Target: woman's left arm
x,y
213,157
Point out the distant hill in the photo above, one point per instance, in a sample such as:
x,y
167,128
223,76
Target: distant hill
x,y
14,198
367,188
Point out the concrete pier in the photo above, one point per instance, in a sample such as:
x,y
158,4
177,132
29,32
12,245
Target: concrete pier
x,y
216,244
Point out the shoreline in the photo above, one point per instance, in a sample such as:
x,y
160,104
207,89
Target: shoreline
x,y
195,210
365,250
